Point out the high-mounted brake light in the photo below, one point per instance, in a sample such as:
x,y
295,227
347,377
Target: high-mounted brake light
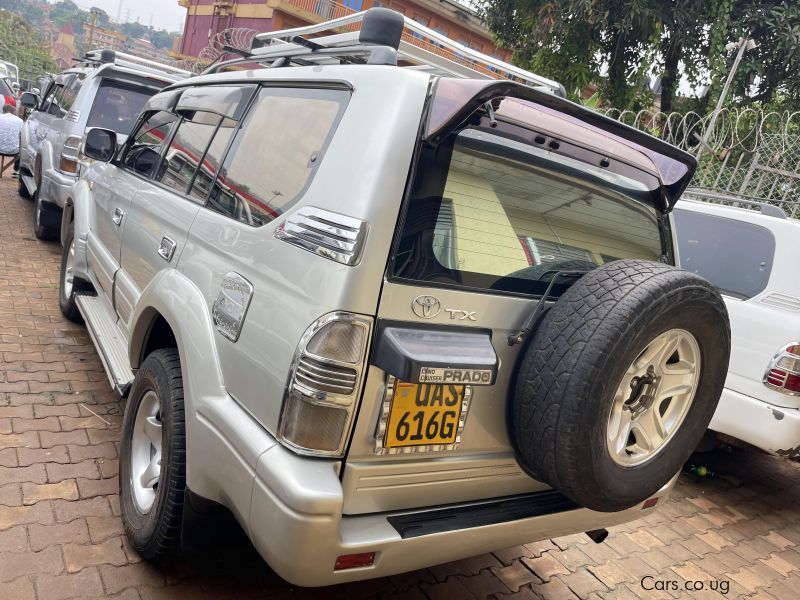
x,y
324,384
783,373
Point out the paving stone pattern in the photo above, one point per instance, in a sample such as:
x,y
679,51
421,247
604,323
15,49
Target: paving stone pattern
x,y
61,535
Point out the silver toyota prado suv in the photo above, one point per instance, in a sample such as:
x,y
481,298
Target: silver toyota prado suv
x,y
388,310
104,89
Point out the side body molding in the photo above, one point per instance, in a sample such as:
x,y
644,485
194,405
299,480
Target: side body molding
x,y
221,437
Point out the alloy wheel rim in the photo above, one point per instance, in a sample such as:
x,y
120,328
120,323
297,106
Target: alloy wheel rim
x,y
69,271
653,398
145,459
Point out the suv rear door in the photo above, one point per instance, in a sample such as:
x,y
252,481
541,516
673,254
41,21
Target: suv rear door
x,y
159,218
496,207
38,124
114,185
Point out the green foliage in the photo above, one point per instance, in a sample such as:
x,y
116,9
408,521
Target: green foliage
x,y
770,73
31,12
618,44
21,45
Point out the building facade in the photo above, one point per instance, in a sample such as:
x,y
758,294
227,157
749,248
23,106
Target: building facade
x,y
104,38
206,18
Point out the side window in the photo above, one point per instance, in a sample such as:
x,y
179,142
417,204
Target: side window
x,y
71,92
276,153
48,97
143,148
735,256
210,164
186,150
56,107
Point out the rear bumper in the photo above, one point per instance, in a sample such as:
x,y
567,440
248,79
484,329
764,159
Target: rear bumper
x,y
292,507
772,428
297,525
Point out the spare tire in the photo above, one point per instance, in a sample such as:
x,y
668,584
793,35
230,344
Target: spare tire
x,y
619,381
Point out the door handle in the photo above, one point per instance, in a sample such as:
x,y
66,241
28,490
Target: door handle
x,y
166,248
117,218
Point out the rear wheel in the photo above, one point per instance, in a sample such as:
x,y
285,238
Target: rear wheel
x,y
153,457
619,382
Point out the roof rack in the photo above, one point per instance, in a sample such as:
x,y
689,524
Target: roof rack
x,y
130,61
766,209
418,47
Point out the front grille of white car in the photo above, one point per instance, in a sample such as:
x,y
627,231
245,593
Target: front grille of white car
x,y
333,236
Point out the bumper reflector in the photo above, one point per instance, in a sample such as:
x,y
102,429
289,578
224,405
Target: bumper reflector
x,y
649,503
354,561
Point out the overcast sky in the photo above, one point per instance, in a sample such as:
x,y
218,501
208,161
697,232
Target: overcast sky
x,y
166,14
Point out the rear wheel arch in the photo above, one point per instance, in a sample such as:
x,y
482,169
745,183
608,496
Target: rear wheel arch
x,y
151,332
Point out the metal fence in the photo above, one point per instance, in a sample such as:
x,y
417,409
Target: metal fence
x,y
751,154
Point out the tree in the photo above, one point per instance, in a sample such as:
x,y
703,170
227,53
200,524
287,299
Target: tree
x,y
618,43
20,44
611,42
771,71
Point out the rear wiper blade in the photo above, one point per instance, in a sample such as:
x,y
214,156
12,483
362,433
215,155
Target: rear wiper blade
x,y
519,336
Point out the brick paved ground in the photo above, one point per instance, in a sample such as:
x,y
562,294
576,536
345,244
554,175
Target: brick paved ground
x,y
61,536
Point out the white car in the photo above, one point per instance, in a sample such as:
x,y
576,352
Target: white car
x,y
752,257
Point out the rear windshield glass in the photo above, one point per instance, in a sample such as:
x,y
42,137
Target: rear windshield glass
x,y
117,105
733,255
495,213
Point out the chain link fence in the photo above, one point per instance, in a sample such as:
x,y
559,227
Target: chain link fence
x,y
750,155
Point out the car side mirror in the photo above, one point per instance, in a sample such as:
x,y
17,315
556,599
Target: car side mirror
x,y
100,144
30,100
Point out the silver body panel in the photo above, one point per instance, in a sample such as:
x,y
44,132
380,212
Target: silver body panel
x,y
296,507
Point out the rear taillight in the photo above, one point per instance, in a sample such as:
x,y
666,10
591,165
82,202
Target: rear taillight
x,y
10,100
69,155
324,384
783,373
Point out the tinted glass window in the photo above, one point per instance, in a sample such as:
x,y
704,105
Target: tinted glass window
x,y
48,97
186,150
116,106
733,255
491,212
71,92
143,148
5,88
55,107
208,169
276,152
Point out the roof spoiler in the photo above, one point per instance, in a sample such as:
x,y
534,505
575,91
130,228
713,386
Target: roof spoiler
x,y
455,100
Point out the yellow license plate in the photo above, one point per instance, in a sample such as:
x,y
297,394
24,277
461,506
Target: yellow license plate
x,y
423,414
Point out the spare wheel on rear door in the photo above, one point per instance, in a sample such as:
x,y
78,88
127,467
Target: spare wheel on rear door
x,y
619,381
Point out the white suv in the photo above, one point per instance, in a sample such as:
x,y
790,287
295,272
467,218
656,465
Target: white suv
x,y
104,89
752,257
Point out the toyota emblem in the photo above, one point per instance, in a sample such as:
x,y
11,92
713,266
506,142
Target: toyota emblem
x,y
426,307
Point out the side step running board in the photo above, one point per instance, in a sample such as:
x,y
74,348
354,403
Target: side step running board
x,y
108,340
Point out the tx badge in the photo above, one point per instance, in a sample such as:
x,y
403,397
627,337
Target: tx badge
x,y
427,307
